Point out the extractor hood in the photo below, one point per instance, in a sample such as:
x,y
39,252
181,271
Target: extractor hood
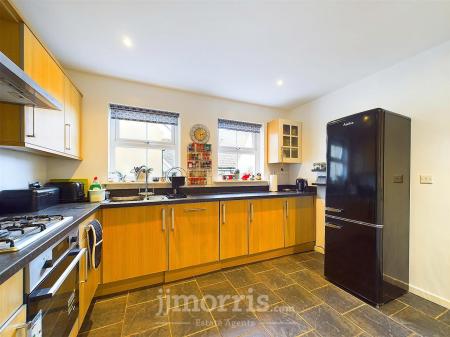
x,y
18,88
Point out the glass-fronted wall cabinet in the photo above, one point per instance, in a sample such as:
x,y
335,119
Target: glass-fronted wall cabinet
x,y
284,141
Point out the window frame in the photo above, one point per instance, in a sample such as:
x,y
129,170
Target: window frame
x,y
115,141
256,149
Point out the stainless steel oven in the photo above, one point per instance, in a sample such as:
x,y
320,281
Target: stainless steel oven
x,y
52,281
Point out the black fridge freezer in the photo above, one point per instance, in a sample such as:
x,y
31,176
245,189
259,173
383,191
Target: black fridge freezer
x,y
367,204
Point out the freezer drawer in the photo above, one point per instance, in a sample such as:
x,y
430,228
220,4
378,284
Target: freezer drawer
x,y
353,258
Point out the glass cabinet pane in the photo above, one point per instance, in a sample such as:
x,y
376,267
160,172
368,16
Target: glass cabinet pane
x,y
286,153
286,141
294,141
294,130
286,129
294,153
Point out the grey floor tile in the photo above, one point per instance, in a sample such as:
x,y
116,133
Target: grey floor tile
x,y
283,324
421,323
317,256
189,319
211,278
314,265
145,294
301,257
161,331
337,298
376,323
260,266
298,297
220,294
308,279
310,334
182,293
329,323
113,330
419,303
235,320
260,295
211,332
445,317
275,279
287,264
144,316
392,307
104,312
241,277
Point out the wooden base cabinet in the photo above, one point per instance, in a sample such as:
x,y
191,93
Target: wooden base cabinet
x,y
266,225
233,228
135,242
300,220
193,234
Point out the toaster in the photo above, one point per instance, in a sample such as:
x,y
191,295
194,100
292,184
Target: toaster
x,y
69,191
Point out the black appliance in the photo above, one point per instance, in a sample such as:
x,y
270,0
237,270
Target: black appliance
x,y
51,286
28,200
177,182
367,204
69,191
302,185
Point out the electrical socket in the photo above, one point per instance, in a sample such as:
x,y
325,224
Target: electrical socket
x,y
426,179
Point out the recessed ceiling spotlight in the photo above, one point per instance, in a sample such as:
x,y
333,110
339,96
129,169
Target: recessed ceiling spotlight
x,y
127,42
280,83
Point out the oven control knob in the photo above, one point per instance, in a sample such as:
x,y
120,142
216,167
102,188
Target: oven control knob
x,y
48,264
73,239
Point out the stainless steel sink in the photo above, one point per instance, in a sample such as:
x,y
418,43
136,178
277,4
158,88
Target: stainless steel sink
x,y
134,198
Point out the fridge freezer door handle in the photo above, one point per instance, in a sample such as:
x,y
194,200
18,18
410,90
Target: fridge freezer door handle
x,y
334,210
330,225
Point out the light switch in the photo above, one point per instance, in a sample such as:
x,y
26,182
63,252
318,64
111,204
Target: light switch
x,y
426,179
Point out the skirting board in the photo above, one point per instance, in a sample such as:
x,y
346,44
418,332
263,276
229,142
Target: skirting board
x,y
319,249
429,296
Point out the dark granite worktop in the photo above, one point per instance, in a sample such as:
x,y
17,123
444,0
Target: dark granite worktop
x,y
10,263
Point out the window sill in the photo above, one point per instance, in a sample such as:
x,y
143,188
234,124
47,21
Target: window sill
x,y
151,184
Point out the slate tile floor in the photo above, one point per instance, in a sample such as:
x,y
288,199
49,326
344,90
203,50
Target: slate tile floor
x,y
297,301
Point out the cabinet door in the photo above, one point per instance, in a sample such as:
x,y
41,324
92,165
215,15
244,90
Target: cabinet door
x,y
14,326
194,234
134,243
233,228
72,119
89,278
300,221
266,226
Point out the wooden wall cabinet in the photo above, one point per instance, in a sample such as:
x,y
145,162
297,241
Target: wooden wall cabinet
x,y
284,140
300,220
193,234
233,228
89,278
135,242
43,131
266,225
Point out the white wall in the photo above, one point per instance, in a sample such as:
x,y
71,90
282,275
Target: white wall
x,y
100,91
18,169
420,88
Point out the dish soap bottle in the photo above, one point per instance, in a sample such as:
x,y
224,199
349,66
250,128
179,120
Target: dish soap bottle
x,y
95,186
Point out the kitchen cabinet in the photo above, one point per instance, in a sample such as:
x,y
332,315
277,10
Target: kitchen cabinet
x,y
11,293
15,326
266,225
233,228
72,119
300,220
135,241
284,140
193,234
89,277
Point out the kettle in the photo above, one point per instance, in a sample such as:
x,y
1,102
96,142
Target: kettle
x,y
301,184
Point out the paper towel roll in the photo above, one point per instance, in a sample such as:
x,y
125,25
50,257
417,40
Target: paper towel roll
x,y
273,183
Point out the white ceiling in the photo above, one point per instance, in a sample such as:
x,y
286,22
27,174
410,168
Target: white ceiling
x,y
239,49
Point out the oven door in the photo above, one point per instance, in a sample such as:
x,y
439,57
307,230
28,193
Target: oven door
x,y
56,298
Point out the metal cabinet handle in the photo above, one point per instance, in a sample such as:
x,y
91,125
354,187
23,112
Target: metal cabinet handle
x,y
86,261
194,209
172,211
334,210
67,128
287,209
330,225
223,214
251,212
163,216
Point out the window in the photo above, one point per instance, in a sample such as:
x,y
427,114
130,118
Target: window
x,y
142,137
239,147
